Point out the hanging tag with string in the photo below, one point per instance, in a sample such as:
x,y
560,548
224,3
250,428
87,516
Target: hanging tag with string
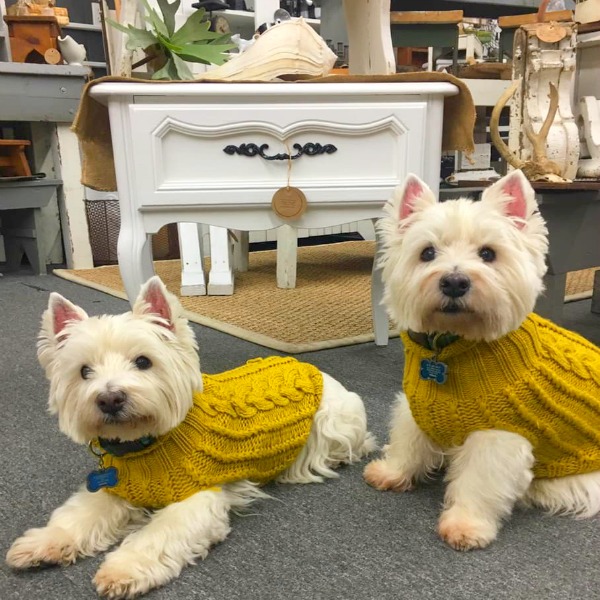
x,y
289,202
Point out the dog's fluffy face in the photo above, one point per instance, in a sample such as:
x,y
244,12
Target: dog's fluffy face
x,y
466,267
120,377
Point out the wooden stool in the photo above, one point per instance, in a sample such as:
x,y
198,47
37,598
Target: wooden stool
x,y
13,162
435,28
34,39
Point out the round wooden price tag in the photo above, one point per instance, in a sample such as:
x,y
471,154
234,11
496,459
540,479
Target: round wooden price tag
x,y
289,203
551,33
52,56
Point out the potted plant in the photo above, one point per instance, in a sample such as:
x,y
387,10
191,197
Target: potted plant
x,y
169,50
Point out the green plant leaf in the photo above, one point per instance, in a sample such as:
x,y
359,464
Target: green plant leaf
x,y
206,53
152,17
168,44
169,71
183,71
194,29
137,38
224,38
168,11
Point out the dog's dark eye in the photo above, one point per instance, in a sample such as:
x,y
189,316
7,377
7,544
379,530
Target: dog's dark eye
x,y
487,254
142,363
428,254
85,372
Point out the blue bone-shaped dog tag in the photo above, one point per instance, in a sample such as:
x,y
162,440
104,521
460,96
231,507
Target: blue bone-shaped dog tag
x,y
102,478
433,370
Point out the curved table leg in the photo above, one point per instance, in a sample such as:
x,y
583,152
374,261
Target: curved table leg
x,y
134,251
381,325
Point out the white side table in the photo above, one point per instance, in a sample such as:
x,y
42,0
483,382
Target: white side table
x,y
204,153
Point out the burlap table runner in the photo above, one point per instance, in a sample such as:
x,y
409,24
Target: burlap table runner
x,y
91,123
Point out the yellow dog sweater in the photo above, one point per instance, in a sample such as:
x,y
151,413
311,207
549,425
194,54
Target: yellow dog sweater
x,y
248,423
540,381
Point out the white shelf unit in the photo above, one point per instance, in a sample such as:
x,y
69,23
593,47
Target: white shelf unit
x,y
83,26
244,21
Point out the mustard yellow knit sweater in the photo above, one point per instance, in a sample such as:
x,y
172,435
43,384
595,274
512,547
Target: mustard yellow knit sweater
x,y
540,381
248,423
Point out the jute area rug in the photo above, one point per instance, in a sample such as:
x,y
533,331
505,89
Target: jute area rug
x,y
330,306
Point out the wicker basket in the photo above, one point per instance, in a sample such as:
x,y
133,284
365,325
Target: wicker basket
x,y
104,222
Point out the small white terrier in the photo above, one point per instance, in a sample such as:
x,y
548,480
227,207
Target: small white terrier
x,y
132,383
508,401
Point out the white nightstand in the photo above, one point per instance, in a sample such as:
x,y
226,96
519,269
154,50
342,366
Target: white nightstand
x,y
204,153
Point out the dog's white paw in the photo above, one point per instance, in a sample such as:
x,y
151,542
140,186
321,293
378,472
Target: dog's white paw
x,y
127,575
465,532
381,476
47,545
114,582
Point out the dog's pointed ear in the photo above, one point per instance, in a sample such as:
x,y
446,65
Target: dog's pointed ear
x,y
514,196
61,312
413,195
56,317
155,299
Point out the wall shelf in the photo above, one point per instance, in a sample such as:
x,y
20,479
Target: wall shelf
x,y
83,26
245,18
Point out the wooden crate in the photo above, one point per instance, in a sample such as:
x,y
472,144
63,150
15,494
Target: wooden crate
x,y
34,39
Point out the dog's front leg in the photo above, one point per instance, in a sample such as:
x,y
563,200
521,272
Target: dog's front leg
x,y
174,537
408,457
486,476
87,523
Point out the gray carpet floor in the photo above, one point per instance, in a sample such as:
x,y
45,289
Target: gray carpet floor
x,y
336,541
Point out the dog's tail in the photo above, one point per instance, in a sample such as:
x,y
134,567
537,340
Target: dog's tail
x,y
338,435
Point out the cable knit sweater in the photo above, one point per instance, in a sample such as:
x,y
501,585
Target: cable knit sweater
x,y
248,423
540,381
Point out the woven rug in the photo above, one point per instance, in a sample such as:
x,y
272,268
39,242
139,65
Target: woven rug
x,y
330,306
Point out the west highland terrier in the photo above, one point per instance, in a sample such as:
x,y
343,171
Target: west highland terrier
x,y
187,446
506,400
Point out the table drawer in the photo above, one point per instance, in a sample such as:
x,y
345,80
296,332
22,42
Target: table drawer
x,y
229,155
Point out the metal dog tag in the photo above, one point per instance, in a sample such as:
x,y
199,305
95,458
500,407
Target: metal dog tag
x,y
433,370
102,478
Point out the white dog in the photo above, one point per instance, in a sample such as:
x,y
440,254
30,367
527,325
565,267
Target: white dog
x,y
508,401
190,446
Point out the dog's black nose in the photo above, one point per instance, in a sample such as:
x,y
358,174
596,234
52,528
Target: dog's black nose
x,y
110,403
455,285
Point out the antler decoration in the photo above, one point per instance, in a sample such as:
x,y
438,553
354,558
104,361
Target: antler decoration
x,y
539,167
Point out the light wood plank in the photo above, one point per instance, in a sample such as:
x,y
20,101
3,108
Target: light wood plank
x,y
426,16
511,21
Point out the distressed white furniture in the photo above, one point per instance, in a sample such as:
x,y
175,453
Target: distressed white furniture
x,y
538,64
587,98
202,153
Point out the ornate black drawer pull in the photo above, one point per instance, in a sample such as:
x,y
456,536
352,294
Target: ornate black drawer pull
x,y
310,149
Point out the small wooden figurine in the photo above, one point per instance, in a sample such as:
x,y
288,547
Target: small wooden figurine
x,y
39,8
